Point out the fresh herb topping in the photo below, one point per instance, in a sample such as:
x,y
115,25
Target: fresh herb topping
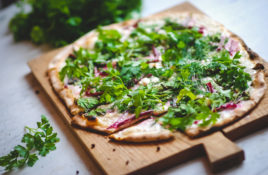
x,y
41,140
160,66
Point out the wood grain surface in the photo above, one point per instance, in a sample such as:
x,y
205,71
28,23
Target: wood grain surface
x,y
121,158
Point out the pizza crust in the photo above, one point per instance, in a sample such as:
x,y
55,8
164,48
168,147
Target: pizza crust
x,y
104,123
88,41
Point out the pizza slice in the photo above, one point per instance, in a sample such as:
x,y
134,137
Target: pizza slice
x,y
185,69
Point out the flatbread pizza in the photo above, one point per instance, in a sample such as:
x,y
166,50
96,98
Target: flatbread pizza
x,y
142,80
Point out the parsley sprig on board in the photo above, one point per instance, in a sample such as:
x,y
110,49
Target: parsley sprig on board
x,y
38,141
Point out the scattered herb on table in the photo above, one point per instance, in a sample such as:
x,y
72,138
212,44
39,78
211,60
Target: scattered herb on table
x,y
38,141
63,21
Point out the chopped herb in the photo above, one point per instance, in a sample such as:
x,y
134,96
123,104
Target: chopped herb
x,y
87,103
182,61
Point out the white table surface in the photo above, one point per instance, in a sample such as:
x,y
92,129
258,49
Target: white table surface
x,y
20,105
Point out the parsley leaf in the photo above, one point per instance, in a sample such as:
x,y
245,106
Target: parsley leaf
x,y
87,103
40,140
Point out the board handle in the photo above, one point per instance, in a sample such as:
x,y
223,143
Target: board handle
x,y
221,152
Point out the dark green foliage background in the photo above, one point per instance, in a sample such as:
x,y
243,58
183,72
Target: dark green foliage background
x,y
59,22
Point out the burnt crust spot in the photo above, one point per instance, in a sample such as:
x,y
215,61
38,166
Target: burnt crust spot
x,y
72,56
127,162
90,118
157,148
253,55
92,146
258,66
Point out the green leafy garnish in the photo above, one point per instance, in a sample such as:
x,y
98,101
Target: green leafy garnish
x,y
87,103
59,22
38,141
172,65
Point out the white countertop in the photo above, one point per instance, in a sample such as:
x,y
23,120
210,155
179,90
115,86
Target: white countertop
x,y
21,104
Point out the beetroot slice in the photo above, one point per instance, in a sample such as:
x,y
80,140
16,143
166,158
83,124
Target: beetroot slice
x,y
230,105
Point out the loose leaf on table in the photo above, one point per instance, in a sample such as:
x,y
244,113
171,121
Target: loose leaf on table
x,y
38,141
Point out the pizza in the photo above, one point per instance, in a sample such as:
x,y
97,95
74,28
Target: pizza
x,y
142,80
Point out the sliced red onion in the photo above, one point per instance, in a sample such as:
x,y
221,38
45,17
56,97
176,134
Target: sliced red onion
x,y
103,74
232,46
153,61
135,25
127,119
196,122
221,44
230,105
149,75
146,112
96,72
201,30
93,94
210,87
218,49
155,52
100,73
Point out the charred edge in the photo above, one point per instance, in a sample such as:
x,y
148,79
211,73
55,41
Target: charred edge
x,y
72,56
157,148
253,55
91,118
258,66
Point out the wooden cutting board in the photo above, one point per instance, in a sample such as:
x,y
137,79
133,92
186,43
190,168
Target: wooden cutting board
x,y
122,158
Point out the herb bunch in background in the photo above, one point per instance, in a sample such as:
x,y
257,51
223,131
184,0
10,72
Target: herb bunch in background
x,y
41,140
59,22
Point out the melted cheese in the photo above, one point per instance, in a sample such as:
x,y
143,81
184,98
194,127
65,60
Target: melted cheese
x,y
156,65
75,90
148,130
145,81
